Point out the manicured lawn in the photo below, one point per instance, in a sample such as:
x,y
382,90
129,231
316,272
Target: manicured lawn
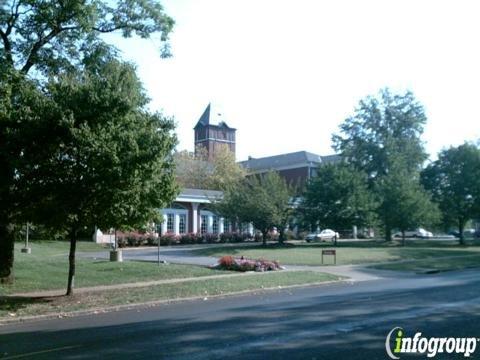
x,y
434,265
348,252
47,269
16,307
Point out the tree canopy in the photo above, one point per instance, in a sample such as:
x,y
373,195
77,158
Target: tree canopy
x,y
454,182
338,198
195,170
383,131
405,203
55,35
264,201
41,39
108,162
382,138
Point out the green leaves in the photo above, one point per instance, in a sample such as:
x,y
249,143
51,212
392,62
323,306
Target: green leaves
x,y
454,182
54,36
198,172
384,130
382,139
108,163
263,201
338,197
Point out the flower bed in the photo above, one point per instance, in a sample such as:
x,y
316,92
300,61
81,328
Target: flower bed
x,y
244,264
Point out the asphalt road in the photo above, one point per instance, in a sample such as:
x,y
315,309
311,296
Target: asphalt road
x,y
337,321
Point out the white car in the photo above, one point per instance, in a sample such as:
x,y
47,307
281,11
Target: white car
x,y
420,233
323,235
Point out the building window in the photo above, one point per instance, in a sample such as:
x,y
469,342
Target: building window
x,y
215,225
204,224
170,225
182,225
226,225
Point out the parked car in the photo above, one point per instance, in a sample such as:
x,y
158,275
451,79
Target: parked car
x,y
466,233
323,235
420,233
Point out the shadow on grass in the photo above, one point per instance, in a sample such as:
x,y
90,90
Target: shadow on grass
x,y
16,303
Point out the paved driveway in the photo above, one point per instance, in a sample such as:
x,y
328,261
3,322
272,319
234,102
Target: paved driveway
x,y
187,255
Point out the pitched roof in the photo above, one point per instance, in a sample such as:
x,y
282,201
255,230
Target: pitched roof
x,y
200,192
300,158
198,195
212,116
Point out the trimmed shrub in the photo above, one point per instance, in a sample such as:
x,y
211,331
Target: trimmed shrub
x,y
168,239
122,241
244,264
210,238
151,240
190,238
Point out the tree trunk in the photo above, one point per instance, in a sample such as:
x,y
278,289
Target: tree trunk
x,y
71,262
264,237
7,242
281,237
388,233
461,226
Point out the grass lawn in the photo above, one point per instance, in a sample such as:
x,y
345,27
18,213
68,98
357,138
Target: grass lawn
x,y
16,307
47,269
360,252
434,265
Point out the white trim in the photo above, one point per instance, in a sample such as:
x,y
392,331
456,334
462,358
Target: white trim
x,y
219,140
290,167
193,199
176,219
195,218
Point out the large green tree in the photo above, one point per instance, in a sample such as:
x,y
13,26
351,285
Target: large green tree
x,y
40,39
383,131
110,163
264,201
405,203
454,180
382,138
339,198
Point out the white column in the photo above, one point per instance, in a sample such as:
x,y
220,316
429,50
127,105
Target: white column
x,y
164,224
195,225
221,229
210,224
250,228
176,224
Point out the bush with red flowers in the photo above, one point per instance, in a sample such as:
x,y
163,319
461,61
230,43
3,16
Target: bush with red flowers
x,y
244,264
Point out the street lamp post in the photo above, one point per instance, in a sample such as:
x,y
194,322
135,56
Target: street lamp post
x,y
26,249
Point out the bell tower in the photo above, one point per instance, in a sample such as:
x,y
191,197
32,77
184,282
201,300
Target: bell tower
x,y
212,132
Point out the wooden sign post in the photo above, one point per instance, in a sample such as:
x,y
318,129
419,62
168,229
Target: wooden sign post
x,y
330,252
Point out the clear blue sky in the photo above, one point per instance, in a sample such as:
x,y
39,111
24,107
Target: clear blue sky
x,y
287,73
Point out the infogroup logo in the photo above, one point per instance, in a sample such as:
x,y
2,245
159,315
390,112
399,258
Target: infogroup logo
x,y
430,346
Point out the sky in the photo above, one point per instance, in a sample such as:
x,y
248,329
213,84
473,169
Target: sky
x,y
287,73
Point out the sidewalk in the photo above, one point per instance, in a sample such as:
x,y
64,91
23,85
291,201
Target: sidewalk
x,y
354,273
53,293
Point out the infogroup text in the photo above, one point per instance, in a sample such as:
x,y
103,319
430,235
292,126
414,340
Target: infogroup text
x,y
430,346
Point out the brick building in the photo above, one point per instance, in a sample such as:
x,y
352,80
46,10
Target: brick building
x,y
212,132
